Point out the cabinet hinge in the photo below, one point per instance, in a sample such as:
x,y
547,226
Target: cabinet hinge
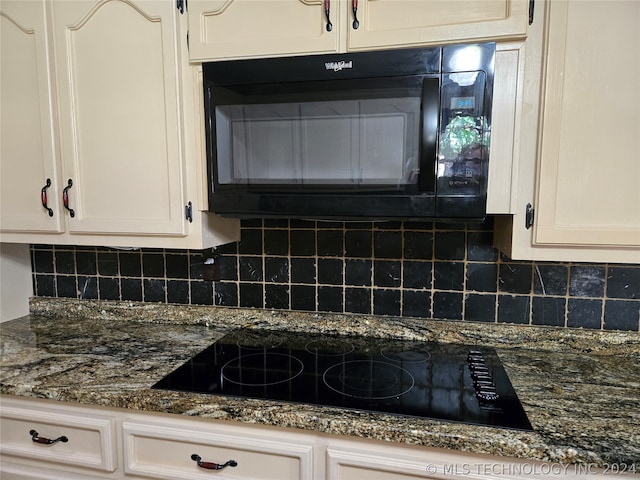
x,y
532,4
528,216
181,5
188,212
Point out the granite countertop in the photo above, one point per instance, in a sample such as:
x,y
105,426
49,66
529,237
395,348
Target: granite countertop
x,y
579,388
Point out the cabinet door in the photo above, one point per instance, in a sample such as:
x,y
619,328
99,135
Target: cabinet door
x,y
27,152
220,29
384,23
117,66
589,162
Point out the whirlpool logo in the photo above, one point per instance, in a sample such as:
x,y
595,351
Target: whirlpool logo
x,y
337,66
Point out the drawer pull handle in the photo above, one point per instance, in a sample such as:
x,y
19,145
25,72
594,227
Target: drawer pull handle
x,y
46,441
212,466
65,198
43,197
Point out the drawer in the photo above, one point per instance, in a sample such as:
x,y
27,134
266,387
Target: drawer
x,y
165,450
90,439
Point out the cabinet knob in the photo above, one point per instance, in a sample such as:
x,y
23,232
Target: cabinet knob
x,y
211,465
46,441
43,197
327,12
65,198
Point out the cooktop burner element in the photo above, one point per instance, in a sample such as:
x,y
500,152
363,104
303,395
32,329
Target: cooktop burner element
x,y
424,379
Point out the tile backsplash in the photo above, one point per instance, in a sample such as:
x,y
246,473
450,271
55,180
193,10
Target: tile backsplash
x,y
425,270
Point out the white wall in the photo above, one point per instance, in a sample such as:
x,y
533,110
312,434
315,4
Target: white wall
x,y
15,280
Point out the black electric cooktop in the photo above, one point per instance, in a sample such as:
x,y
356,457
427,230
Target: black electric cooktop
x,y
423,379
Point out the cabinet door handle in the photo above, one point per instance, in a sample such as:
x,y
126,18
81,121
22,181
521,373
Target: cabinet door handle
x,y
327,12
65,198
46,441
211,465
354,8
43,197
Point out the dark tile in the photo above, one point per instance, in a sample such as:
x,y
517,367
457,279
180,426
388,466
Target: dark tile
x,y
154,290
251,295
480,308
587,281
450,226
357,300
411,225
202,293
418,245
480,247
389,225
387,244
276,296
358,225
228,248
130,264
416,274
276,242
153,265
45,285
387,273
177,265
275,223
330,243
482,277
251,269
65,262
108,263
298,223
621,315
514,309
109,288
330,271
584,313
416,304
358,272
88,287
548,311
623,282
550,279
326,225
447,305
251,223
131,289
276,270
303,270
178,291
43,261
329,299
358,243
515,277
448,275
449,245
303,298
486,224
226,294
303,243
228,268
86,263
386,302
250,242
196,264
66,286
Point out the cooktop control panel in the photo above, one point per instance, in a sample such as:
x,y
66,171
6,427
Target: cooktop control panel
x,y
425,379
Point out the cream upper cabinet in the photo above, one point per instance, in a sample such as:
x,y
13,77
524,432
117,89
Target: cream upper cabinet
x,y
28,170
387,23
119,118
115,126
581,172
225,29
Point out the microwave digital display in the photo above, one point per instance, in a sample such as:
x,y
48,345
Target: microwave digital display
x,y
459,103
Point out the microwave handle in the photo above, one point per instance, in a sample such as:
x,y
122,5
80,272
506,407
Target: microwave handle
x,y
429,134
327,12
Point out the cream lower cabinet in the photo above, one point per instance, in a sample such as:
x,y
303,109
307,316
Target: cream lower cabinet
x,y
581,168
105,443
224,29
101,128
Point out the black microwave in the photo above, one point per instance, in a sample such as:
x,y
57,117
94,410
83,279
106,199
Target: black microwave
x,y
394,134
